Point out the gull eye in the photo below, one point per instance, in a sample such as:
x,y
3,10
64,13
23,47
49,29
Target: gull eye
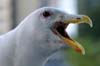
x,y
46,14
78,18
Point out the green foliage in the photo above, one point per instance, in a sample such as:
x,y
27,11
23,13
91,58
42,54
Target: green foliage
x,y
92,56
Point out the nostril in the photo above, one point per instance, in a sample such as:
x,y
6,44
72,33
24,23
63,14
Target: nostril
x,y
78,18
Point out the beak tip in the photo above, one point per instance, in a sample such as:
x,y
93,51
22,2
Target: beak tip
x,y
81,50
87,20
91,25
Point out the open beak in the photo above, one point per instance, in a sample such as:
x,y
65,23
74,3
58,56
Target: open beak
x,y
59,30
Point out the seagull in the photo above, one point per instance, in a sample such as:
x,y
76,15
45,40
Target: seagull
x,y
38,36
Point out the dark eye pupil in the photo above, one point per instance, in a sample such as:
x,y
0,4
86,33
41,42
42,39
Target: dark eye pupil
x,y
46,14
78,18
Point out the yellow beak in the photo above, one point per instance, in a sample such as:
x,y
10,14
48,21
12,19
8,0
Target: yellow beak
x,y
82,19
74,44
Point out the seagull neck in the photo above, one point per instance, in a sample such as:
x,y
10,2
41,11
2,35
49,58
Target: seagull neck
x,y
31,55
32,49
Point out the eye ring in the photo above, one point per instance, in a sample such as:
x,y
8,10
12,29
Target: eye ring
x,y
46,14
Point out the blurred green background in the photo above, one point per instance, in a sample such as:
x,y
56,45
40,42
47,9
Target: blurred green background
x,y
88,37
14,11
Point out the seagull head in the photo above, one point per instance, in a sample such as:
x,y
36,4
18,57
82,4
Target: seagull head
x,y
57,21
